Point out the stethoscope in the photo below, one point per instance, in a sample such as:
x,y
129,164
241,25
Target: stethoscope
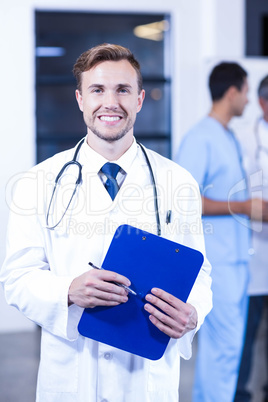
x,y
74,162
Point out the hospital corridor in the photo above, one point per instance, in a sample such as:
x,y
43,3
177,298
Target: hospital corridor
x,y
186,81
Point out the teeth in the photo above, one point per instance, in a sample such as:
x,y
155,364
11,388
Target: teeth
x,y
109,118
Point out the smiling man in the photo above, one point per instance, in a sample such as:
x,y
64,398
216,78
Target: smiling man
x,y
109,98
46,273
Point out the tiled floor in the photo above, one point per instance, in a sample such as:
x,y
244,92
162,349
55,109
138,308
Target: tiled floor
x,y
19,355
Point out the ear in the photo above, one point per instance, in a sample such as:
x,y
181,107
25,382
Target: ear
x,y
262,103
140,100
79,99
231,92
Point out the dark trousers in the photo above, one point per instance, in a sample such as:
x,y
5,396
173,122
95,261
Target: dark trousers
x,y
257,306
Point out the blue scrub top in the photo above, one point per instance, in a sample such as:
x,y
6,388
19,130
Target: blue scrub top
x,y
212,155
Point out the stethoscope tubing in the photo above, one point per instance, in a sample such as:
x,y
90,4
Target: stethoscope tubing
x,y
78,181
74,161
259,147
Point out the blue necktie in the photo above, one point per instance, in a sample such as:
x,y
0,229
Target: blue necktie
x,y
110,170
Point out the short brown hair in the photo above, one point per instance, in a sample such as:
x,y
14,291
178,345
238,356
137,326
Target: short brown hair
x,y
101,53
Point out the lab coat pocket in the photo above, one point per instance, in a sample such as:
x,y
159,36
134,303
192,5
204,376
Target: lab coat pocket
x,y
164,373
58,370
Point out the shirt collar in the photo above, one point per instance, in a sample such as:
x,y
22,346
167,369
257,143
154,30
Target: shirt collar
x,y
126,160
97,160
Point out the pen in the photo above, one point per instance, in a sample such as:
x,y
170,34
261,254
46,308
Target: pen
x,y
116,283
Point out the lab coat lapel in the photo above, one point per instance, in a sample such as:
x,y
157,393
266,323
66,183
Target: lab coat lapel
x,y
135,198
97,197
137,177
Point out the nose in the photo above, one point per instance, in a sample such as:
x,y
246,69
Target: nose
x,y
110,100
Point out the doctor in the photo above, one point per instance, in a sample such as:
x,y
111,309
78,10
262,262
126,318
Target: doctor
x,y
46,273
256,164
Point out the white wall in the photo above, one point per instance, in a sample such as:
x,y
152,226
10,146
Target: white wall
x,y
200,29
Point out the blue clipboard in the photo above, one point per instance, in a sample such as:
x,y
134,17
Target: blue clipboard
x,y
148,261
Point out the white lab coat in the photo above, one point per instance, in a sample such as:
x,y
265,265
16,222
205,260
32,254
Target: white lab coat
x,y
40,265
256,166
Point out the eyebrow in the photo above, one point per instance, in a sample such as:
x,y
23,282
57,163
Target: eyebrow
x,y
95,86
102,85
124,85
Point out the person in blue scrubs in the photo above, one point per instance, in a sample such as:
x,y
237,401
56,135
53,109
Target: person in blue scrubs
x,y
212,154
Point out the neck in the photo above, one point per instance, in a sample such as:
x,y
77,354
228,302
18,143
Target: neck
x,y
110,150
221,115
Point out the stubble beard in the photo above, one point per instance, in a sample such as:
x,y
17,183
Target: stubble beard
x,y
109,138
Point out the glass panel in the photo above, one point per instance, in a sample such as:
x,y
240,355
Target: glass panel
x,y
76,32
58,112
153,119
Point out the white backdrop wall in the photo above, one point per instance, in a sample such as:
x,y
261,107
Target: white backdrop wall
x,y
201,29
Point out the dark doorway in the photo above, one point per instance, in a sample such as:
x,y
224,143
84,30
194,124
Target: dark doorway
x,y
256,28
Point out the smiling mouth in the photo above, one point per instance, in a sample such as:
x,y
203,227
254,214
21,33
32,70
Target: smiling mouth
x,y
110,118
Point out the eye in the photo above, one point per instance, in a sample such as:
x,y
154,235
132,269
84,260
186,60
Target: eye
x,y
97,91
123,90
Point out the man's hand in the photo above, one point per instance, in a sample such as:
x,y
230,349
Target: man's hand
x,y
257,209
175,319
95,288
